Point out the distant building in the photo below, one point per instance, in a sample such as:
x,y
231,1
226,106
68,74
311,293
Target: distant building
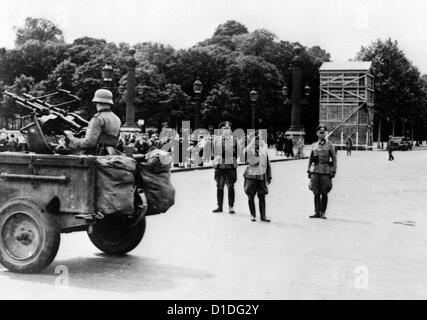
x,y
347,102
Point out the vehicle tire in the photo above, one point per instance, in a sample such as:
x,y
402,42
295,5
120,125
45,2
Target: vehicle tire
x,y
117,238
29,237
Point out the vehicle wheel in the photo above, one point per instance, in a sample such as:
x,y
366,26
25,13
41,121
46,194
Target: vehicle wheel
x,y
117,238
29,238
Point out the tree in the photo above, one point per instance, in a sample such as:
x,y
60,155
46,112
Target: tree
x,y
160,55
38,29
175,103
230,28
220,104
256,43
251,72
230,64
11,65
208,63
39,48
224,35
398,85
41,58
84,49
22,84
317,53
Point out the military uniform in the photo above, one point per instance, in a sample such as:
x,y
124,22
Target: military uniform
x,y
257,176
101,136
322,166
225,167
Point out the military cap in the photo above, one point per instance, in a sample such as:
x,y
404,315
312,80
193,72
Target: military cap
x,y
321,128
225,124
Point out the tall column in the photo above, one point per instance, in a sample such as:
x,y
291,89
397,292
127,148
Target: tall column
x,y
130,97
296,92
197,112
296,129
253,114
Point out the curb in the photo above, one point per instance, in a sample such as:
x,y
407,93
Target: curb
x,y
240,164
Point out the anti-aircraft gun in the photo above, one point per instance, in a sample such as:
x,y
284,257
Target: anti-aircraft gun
x,y
49,120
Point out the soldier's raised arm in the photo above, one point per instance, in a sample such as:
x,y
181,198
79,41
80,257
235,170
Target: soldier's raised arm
x,y
92,134
333,156
310,161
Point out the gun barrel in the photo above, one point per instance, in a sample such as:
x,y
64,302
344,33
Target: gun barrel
x,y
76,118
25,104
41,110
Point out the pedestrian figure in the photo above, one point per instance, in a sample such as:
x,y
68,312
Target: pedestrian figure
x,y
289,147
12,144
22,143
390,149
349,145
225,164
3,143
280,144
322,166
300,147
257,176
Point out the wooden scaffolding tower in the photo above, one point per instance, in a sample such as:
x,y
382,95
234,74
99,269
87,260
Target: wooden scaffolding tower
x,y
347,102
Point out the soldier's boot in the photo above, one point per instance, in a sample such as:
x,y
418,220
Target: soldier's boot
x,y
261,199
316,206
220,200
252,209
231,197
324,204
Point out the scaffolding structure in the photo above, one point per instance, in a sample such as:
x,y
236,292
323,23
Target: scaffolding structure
x,y
347,102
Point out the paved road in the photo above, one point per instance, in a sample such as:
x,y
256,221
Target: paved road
x,y
372,246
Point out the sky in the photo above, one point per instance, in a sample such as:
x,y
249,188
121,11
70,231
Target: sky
x,y
340,27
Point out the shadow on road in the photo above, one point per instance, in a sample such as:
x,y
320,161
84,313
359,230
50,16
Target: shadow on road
x,y
111,273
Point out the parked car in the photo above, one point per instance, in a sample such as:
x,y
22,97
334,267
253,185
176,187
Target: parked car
x,y
401,143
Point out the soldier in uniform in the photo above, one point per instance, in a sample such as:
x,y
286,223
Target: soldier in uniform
x,y
322,167
257,175
102,135
225,165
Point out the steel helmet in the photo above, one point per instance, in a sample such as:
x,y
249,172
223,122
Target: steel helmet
x,y
103,96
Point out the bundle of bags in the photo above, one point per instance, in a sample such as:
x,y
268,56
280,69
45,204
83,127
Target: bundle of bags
x,y
115,184
153,177
118,178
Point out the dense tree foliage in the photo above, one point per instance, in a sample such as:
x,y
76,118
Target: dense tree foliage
x,y
230,64
400,99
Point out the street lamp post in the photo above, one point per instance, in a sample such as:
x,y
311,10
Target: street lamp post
x,y
296,129
197,88
107,75
254,98
130,124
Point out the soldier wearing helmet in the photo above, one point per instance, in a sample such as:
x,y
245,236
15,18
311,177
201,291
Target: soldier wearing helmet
x,y
102,135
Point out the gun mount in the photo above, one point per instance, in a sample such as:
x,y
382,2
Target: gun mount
x,y
49,120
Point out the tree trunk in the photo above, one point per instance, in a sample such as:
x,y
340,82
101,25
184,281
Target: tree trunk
x,y
394,127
